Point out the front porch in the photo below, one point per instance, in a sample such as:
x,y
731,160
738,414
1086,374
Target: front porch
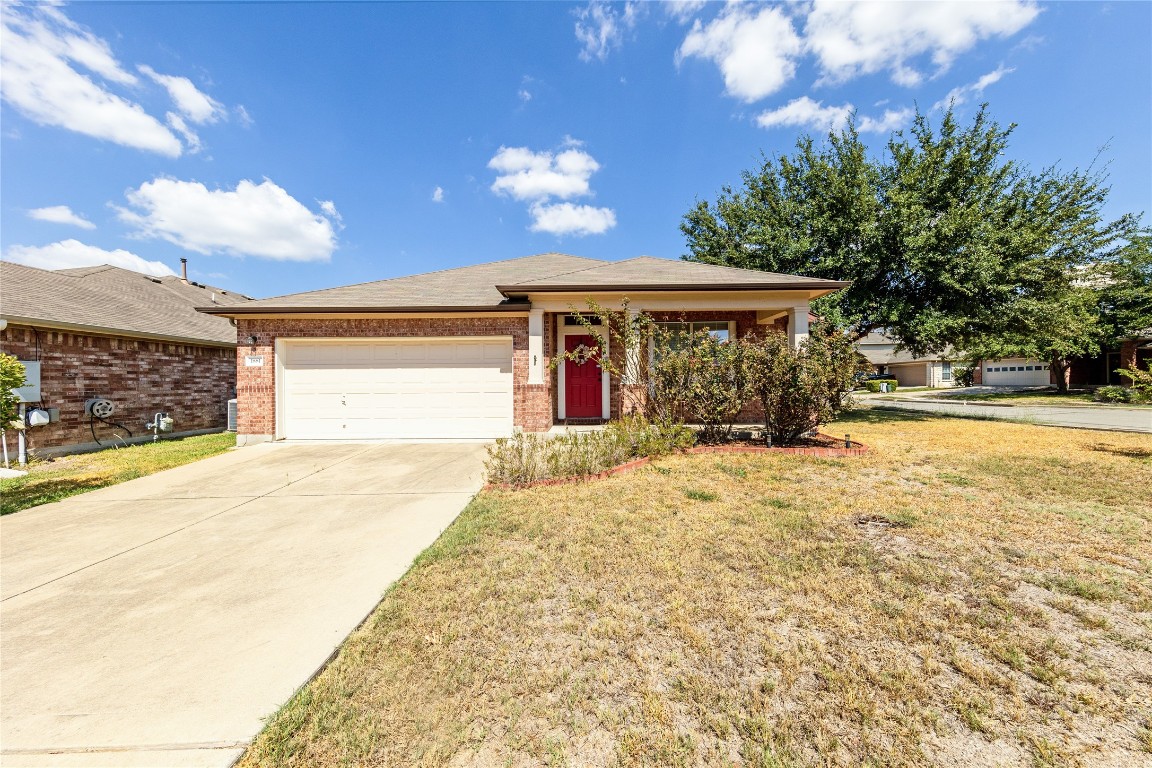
x,y
583,397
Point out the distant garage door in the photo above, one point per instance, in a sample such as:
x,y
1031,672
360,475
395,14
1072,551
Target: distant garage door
x,y
411,388
1019,373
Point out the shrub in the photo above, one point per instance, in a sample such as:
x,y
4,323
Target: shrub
x,y
11,377
528,457
522,458
652,439
717,387
964,375
873,385
800,388
1112,394
1141,382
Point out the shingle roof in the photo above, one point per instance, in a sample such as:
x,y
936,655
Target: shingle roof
x,y
651,273
111,299
498,285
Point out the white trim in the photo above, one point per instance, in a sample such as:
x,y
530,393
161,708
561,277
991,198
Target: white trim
x,y
536,346
278,354
563,330
668,302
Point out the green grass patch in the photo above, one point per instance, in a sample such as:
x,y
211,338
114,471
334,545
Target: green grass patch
x,y
51,480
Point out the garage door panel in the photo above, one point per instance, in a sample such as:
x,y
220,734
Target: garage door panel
x,y
397,388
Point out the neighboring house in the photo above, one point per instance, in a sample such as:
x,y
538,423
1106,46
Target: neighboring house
x,y
467,353
133,339
1135,351
909,371
1015,372
935,371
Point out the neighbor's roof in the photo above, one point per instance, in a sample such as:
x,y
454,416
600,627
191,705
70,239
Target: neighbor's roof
x,y
502,285
112,300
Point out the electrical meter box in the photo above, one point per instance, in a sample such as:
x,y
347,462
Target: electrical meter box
x,y
30,392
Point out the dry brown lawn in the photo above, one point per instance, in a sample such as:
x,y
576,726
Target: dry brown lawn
x,y
970,593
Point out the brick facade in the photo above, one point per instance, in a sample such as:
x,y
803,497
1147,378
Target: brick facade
x,y
191,383
256,386
534,405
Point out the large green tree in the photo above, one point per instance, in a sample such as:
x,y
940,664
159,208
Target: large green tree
x,y
941,235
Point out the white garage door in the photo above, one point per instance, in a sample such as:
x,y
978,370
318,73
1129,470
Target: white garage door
x,y
1019,373
396,389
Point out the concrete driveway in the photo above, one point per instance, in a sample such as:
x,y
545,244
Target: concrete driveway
x,y
159,622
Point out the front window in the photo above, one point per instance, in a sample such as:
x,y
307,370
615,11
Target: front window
x,y
946,371
717,329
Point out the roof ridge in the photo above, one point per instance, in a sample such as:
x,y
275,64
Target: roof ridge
x,y
441,271
602,263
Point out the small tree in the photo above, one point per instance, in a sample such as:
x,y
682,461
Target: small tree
x,y
11,377
668,375
717,385
800,388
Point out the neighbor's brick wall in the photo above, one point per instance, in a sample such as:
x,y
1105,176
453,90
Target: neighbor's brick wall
x,y
189,382
256,387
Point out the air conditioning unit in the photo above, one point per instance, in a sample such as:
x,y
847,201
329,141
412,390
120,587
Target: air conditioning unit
x,y
232,415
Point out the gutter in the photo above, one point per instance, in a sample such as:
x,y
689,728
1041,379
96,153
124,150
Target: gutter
x,y
521,290
31,322
246,309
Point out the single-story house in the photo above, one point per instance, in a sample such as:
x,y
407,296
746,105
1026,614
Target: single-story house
x,y
881,351
1133,352
466,353
936,370
126,337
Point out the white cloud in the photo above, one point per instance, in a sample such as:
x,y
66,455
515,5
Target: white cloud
x,y
976,89
600,27
67,254
860,38
527,175
683,10
329,209
571,219
193,103
38,79
438,195
756,52
259,220
891,120
245,118
538,177
60,214
181,127
807,113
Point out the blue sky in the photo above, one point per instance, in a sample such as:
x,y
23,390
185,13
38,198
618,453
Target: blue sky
x,y
284,147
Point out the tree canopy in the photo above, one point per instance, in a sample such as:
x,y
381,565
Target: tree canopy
x,y
944,237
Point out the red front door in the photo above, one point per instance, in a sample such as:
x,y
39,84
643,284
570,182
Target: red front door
x,y
582,392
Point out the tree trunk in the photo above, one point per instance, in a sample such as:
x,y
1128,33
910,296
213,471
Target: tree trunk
x,y
1059,367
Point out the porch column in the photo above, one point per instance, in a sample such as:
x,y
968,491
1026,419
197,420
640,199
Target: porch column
x,y
536,346
632,354
797,324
